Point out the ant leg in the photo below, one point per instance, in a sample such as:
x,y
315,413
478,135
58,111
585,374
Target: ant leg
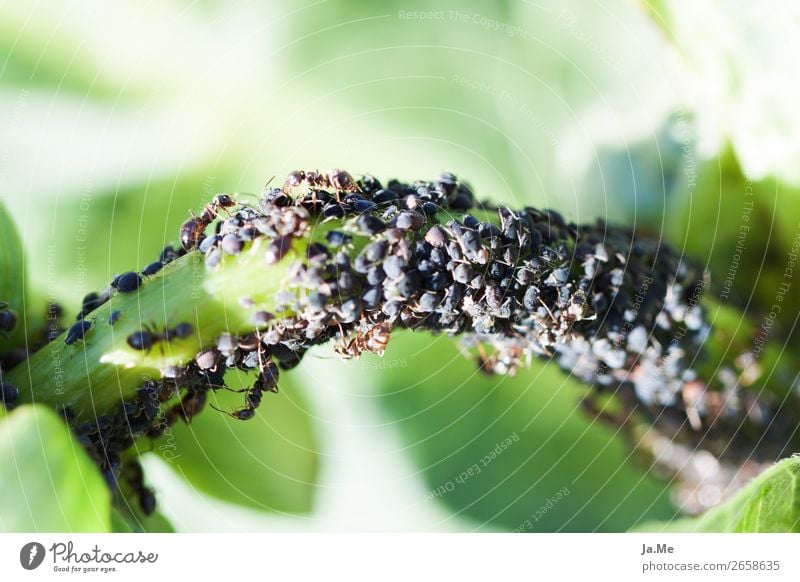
x,y
241,414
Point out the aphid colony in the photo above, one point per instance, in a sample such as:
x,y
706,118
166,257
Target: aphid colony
x,y
614,308
364,259
423,256
8,322
127,282
106,437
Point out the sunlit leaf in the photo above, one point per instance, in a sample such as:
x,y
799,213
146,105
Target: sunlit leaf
x,y
268,462
768,504
48,482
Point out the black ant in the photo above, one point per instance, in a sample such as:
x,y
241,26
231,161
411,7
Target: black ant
x,y
190,406
267,381
192,230
144,339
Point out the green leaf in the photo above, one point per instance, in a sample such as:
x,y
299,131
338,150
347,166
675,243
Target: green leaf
x,y
744,231
127,515
119,522
512,453
268,463
12,275
128,519
48,482
770,503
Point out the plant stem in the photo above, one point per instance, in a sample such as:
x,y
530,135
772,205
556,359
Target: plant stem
x,y
616,309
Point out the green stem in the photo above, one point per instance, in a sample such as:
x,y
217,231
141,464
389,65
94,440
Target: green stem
x,y
93,376
579,315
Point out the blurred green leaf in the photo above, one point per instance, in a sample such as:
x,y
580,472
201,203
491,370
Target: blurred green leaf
x,y
268,463
12,274
743,231
101,234
768,504
28,67
119,523
48,482
131,520
512,453
657,11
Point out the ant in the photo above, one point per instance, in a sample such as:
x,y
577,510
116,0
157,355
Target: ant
x,y
252,398
146,338
267,381
499,363
190,406
373,340
192,230
335,179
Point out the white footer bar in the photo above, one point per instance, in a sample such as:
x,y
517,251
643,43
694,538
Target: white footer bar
x,y
401,557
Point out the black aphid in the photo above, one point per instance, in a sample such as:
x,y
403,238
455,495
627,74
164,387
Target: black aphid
x,y
127,282
409,220
90,302
77,331
337,238
333,210
213,257
409,285
393,266
375,251
278,249
152,268
8,394
135,479
8,320
169,254
231,244
317,253
370,224
436,236
382,196
206,359
262,318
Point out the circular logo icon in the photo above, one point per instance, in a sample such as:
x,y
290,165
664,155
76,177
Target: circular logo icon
x,y
31,555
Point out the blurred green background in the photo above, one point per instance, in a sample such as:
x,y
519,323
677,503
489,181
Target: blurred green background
x,y
116,119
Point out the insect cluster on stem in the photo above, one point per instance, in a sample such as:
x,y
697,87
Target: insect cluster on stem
x,y
362,259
